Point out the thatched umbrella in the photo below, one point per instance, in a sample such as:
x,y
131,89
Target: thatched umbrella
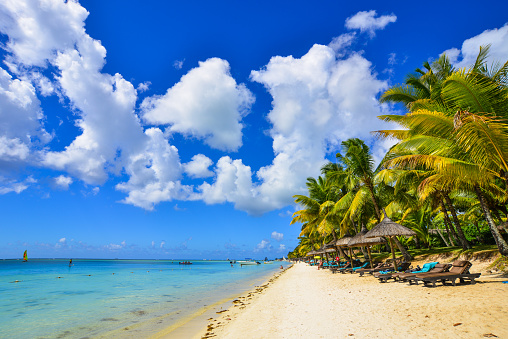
x,y
389,229
342,242
360,240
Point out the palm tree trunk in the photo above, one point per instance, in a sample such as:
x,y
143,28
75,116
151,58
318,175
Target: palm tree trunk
x,y
448,223
405,253
462,237
373,197
500,242
441,234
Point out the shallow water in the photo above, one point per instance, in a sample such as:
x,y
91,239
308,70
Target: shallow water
x,y
96,298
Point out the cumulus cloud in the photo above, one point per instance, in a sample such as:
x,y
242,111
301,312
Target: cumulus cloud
x,y
20,118
38,29
367,21
106,106
466,55
162,244
282,248
63,182
277,236
233,183
263,245
206,104
154,173
319,100
199,166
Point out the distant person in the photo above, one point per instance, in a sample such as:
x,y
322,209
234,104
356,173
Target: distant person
x,y
281,267
70,263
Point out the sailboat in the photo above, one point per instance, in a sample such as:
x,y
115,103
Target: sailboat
x,y
25,257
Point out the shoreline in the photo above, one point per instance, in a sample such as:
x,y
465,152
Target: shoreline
x,y
302,302
192,325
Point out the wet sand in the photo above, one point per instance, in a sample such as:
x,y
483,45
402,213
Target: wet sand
x,y
304,302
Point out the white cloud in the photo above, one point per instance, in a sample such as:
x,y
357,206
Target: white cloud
x,y
392,59
342,42
466,55
13,149
20,118
366,21
110,129
154,173
277,236
8,186
263,245
233,183
282,248
318,101
178,64
143,87
162,244
37,29
62,240
198,167
206,104
63,182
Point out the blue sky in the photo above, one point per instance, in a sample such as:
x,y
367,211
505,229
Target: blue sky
x,y
169,129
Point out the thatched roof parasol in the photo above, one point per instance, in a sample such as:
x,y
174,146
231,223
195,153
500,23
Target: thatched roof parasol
x,y
360,240
342,242
389,229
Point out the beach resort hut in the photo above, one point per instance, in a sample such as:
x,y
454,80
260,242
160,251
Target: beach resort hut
x,y
360,240
389,229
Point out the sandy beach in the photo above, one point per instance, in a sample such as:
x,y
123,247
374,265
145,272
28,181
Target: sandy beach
x,y
304,302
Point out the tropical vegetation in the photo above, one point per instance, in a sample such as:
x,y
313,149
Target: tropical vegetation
x,y
446,177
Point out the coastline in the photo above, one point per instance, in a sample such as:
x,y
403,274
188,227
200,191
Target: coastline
x,y
302,302
192,325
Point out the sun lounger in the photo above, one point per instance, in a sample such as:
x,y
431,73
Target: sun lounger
x,y
459,270
385,276
354,269
426,268
340,269
411,276
381,267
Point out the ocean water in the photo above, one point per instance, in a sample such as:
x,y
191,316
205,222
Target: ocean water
x,y
45,298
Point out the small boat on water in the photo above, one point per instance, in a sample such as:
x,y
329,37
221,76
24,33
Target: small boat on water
x,y
248,262
25,257
268,262
185,263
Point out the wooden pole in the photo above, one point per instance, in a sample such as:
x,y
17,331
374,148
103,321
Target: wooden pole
x,y
370,256
393,254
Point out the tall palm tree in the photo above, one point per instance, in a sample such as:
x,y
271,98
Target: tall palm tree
x,y
466,139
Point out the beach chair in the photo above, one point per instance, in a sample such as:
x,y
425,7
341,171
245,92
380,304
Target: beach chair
x,y
340,269
354,269
411,276
396,275
459,270
384,276
381,267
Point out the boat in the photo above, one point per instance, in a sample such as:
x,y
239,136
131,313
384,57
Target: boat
x,y
248,261
25,257
185,263
268,262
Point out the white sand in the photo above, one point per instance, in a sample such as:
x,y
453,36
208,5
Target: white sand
x,y
306,303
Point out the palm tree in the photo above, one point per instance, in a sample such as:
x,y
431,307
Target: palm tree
x,y
465,146
358,177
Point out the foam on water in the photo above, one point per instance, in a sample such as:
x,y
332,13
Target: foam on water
x,y
96,298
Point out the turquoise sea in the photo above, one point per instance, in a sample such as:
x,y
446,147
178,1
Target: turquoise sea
x,y
45,298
